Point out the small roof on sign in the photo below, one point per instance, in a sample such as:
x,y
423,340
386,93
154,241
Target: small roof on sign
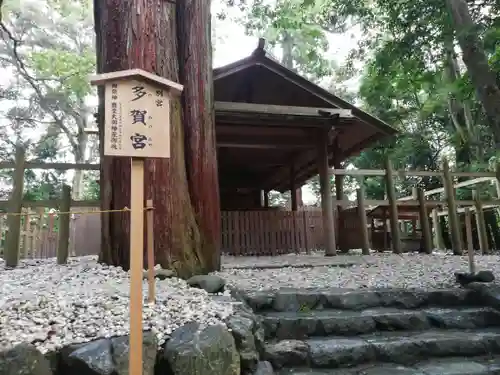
x,y
101,79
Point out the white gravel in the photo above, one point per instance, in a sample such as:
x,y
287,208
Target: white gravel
x,y
53,306
372,271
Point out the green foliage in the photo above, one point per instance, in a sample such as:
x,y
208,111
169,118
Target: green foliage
x,y
72,70
51,54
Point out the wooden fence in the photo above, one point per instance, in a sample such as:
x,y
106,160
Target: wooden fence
x,y
271,232
425,208
39,234
43,232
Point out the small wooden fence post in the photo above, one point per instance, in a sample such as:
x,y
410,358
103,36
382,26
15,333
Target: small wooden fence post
x,y
439,243
150,250
64,219
360,194
480,223
424,222
393,207
15,205
456,241
470,244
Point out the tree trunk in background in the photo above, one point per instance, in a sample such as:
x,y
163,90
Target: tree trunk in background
x,y
482,77
142,34
195,63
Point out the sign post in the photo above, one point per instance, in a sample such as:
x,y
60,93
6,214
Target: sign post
x,y
136,125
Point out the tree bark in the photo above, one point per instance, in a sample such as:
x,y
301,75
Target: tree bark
x,y
195,62
474,57
142,34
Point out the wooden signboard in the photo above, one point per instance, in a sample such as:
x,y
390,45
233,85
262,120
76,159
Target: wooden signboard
x,y
137,125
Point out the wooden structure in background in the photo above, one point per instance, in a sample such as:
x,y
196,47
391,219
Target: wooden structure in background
x,y
412,209
275,130
272,231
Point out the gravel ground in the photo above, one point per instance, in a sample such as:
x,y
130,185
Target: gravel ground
x,y
374,271
52,306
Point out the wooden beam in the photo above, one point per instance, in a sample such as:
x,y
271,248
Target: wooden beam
x,y
282,110
455,186
58,166
235,141
54,203
259,121
409,203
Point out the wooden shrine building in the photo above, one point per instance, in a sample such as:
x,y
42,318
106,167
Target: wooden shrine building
x,y
275,130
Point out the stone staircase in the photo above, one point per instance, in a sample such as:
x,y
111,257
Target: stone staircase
x,y
382,332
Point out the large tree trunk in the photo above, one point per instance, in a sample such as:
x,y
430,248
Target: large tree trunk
x,y
195,63
142,34
482,77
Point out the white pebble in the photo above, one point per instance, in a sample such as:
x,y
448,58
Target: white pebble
x,y
373,271
53,306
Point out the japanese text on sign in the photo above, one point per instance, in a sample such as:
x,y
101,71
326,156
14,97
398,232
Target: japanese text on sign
x,y
137,120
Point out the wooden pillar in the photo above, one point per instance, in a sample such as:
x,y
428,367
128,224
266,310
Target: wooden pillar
x,y
480,223
293,188
424,222
454,228
393,207
64,225
266,199
360,197
298,197
339,195
14,207
326,196
439,243
414,195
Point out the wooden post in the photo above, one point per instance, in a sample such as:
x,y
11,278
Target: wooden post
x,y
414,195
136,263
266,198
137,143
384,228
64,219
326,196
339,196
363,222
424,222
393,208
293,188
40,229
481,224
26,232
470,243
150,249
456,242
14,208
497,185
306,232
439,243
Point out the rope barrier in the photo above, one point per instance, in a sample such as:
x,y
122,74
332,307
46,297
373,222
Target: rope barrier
x,y
124,209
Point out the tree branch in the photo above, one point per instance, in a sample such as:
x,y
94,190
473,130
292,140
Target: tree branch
x,y
21,67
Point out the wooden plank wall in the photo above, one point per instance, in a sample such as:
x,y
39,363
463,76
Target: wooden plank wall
x,y
271,232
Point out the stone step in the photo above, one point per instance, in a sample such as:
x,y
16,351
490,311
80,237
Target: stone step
x,y
299,325
404,348
348,299
442,366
